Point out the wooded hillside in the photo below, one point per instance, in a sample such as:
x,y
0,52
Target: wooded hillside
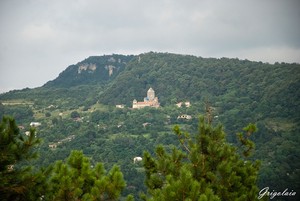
x,y
80,105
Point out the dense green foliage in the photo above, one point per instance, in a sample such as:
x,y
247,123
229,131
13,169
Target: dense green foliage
x,y
224,81
79,180
206,168
76,179
17,182
77,110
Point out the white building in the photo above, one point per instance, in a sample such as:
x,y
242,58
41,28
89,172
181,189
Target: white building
x,y
184,116
149,101
35,124
187,104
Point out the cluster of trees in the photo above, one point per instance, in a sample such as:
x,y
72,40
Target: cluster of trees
x,y
22,112
77,179
17,182
61,98
199,170
73,179
206,168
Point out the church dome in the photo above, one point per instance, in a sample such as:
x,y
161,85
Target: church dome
x,y
150,90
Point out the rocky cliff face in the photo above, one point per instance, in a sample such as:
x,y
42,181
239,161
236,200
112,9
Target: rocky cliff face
x,y
93,70
87,67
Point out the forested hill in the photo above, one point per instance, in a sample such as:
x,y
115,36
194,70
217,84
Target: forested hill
x,y
93,70
242,85
183,77
227,83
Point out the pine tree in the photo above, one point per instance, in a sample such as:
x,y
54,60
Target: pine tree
x,y
206,168
77,180
18,181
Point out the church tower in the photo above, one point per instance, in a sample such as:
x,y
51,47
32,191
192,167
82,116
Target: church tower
x,y
150,94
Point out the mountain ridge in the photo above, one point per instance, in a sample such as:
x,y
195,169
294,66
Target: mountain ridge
x,y
118,79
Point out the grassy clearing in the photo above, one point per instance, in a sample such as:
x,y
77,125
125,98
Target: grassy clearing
x,y
279,124
98,106
116,135
17,102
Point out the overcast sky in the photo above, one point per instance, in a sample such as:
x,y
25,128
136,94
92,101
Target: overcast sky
x,y
41,38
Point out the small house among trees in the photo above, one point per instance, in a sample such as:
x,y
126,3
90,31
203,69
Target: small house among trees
x,y
35,124
186,104
184,116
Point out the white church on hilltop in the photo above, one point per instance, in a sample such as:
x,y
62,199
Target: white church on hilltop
x,y
149,101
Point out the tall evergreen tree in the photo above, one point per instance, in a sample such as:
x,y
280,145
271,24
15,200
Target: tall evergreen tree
x,y
206,167
77,180
18,181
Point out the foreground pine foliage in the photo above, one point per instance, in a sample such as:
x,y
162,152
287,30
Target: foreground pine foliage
x,y
206,167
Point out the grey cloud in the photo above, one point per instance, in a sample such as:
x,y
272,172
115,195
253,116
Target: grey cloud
x,y
47,36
